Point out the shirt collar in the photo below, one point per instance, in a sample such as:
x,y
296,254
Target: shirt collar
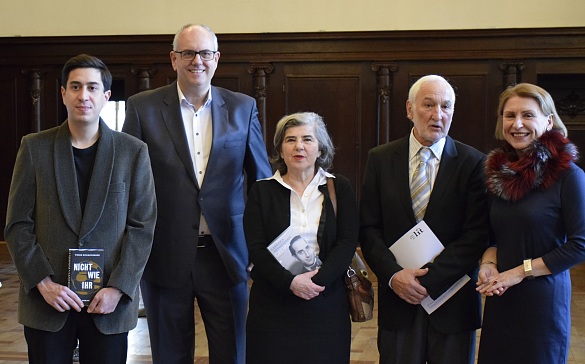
x,y
415,145
183,98
321,175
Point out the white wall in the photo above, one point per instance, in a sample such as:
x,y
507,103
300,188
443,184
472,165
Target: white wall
x,y
124,17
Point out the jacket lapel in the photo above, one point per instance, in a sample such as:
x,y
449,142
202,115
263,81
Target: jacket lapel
x,y
64,175
100,180
446,171
173,119
401,173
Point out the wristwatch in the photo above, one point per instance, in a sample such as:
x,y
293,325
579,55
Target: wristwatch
x,y
528,269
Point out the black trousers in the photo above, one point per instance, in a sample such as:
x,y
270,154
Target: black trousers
x,y
45,347
170,313
421,343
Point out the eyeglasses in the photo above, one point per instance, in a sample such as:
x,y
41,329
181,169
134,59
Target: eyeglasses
x,y
189,55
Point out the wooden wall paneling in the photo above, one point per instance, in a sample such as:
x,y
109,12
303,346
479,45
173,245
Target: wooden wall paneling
x,y
375,130
138,77
230,82
260,72
12,89
333,91
321,88
128,80
470,119
340,75
471,80
55,111
384,77
35,91
165,75
400,125
49,105
144,75
237,76
565,81
275,103
512,72
45,105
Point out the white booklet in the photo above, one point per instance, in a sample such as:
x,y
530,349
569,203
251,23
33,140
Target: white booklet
x,y
417,247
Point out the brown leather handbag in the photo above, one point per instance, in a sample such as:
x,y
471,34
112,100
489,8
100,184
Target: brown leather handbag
x,y
360,292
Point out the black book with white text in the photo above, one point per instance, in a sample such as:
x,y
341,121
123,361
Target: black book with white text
x,y
86,270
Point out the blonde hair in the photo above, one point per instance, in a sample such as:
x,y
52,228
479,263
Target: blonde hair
x,y
538,94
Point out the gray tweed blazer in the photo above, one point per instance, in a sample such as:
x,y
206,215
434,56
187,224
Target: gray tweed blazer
x,y
44,220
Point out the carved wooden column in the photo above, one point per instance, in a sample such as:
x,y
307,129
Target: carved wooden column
x,y
145,74
259,71
384,85
573,104
512,73
35,94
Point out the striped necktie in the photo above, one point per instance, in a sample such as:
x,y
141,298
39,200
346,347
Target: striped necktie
x,y
420,188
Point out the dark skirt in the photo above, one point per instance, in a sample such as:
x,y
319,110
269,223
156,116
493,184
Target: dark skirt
x,y
530,323
284,329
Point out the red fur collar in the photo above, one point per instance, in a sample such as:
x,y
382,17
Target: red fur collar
x,y
511,178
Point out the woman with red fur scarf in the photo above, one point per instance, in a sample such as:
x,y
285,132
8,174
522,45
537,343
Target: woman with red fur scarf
x,y
537,218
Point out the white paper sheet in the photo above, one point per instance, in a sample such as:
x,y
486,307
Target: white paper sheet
x,y
418,247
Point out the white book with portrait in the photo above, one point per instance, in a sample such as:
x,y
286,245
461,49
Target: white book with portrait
x,y
280,248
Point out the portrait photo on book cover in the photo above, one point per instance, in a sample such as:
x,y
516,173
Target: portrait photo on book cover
x,y
294,253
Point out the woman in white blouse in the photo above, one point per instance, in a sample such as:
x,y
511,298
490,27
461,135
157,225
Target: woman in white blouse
x,y
304,317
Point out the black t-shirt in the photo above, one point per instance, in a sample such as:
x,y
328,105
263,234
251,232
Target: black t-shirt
x,y
84,161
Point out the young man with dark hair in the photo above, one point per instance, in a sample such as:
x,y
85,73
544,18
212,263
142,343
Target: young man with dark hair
x,y
80,185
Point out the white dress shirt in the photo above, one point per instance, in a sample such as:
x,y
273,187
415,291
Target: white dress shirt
x,y
199,132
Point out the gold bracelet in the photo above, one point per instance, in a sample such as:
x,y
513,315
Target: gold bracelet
x,y
489,262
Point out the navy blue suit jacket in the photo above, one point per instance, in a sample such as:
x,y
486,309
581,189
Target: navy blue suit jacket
x,y
237,152
457,214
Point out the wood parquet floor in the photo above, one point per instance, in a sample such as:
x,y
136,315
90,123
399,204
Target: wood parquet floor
x,y
363,349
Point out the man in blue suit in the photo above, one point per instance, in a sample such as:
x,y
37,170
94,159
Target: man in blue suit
x,y
205,142
456,213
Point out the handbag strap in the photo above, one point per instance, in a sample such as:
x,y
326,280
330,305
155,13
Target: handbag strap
x,y
359,263
332,195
